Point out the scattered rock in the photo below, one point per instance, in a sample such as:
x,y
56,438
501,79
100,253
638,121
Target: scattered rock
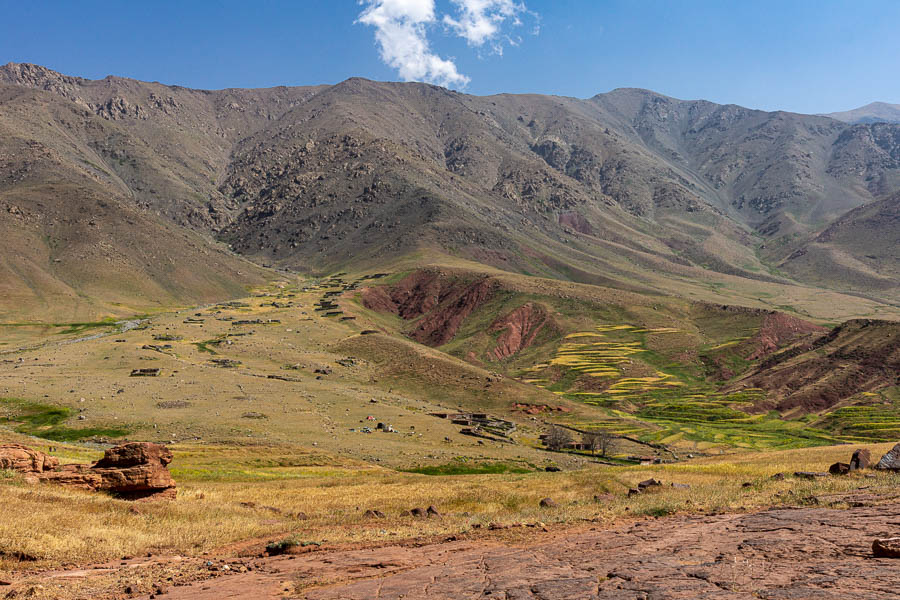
x,y
173,404
254,415
778,476
548,503
373,514
809,474
860,460
681,486
152,372
839,468
419,513
433,512
886,548
891,460
133,471
646,485
552,469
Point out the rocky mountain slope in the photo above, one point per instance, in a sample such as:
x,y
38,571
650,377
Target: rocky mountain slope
x,y
629,188
77,241
876,112
861,355
859,250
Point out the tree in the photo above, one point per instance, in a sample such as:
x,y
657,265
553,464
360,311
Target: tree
x,y
557,438
598,440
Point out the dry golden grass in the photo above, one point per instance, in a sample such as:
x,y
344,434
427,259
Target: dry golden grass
x,y
227,501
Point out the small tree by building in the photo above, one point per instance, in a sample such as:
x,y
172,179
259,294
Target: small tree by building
x,y
601,441
557,438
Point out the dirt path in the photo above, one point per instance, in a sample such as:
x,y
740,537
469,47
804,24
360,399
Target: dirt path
x,y
785,554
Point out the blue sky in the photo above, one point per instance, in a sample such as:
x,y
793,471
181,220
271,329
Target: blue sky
x,y
803,55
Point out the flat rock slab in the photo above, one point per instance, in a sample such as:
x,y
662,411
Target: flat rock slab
x,y
784,554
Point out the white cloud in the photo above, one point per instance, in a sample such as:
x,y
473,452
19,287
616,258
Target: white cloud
x,y
481,21
401,35
401,31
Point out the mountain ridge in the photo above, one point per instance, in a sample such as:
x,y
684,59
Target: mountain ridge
x,y
630,185
874,112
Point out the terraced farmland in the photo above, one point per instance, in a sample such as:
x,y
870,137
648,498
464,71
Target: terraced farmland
x,y
601,353
711,420
875,422
662,404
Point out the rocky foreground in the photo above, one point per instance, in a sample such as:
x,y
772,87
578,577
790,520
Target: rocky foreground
x,y
783,554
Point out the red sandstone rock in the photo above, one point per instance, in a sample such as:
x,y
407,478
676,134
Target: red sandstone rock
x,y
860,460
886,548
23,459
133,471
839,468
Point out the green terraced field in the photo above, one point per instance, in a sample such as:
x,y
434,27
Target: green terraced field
x,y
672,406
602,353
878,422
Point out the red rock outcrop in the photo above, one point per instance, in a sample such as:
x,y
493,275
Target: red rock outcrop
x,y
378,299
31,463
441,325
576,221
133,471
520,328
778,329
440,301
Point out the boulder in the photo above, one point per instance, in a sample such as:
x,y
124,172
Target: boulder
x,y
432,511
860,460
891,460
23,459
886,548
75,476
133,471
839,468
419,513
649,483
137,470
548,503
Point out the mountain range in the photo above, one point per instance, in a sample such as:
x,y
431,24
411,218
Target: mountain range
x,y
876,112
119,196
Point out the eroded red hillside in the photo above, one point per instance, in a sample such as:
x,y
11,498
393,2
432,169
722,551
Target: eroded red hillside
x,y
778,329
861,355
519,329
441,301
